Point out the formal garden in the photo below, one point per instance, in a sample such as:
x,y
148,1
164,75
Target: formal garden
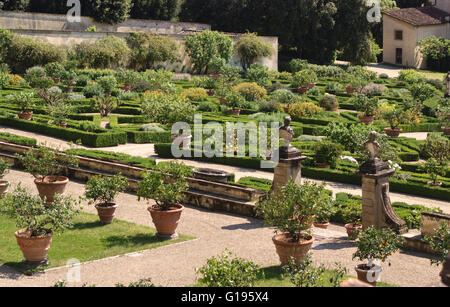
x,y
118,91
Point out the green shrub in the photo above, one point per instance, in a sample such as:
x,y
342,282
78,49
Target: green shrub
x,y
250,47
422,91
327,152
161,108
259,74
54,70
329,102
269,106
17,139
296,65
303,109
93,90
195,94
304,78
108,52
151,127
222,271
207,106
108,83
82,80
250,91
284,96
23,53
334,88
440,243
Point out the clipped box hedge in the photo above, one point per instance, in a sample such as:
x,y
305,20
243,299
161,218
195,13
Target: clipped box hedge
x,y
112,138
17,139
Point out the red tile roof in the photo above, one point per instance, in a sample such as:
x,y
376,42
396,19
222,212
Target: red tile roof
x,y
421,16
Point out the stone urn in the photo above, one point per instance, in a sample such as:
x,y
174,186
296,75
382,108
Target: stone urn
x,y
211,175
49,186
286,248
166,221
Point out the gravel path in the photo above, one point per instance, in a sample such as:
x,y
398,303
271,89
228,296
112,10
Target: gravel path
x,y
174,265
147,150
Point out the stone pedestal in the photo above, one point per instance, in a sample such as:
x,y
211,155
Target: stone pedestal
x,y
376,204
289,167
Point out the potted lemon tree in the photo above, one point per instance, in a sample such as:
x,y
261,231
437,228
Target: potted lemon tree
x,y
37,222
367,106
102,191
394,118
291,210
4,184
165,185
374,244
24,100
49,167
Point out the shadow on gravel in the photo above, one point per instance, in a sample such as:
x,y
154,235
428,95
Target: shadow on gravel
x,y
335,244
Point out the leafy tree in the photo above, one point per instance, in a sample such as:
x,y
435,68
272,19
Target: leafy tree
x,y
250,47
204,47
436,51
155,9
111,11
147,49
15,5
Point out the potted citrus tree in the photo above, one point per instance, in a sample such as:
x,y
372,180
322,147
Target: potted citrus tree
x,y
367,106
165,185
304,80
102,191
324,211
374,244
291,210
394,118
235,102
49,168
24,100
443,113
60,113
37,221
4,184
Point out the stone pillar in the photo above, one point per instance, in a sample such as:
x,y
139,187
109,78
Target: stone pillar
x,y
377,209
287,169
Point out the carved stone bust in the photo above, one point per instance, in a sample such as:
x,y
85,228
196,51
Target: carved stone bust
x,y
286,132
372,145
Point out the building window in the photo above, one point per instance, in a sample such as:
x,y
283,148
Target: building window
x,y
399,35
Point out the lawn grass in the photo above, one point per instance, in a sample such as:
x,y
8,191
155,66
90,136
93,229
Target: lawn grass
x,y
88,240
432,74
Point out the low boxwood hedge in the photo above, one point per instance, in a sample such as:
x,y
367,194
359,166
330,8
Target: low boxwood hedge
x,y
16,139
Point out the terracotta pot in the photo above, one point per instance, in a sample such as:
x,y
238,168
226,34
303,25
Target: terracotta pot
x,y
26,115
34,249
352,230
286,109
393,133
302,89
50,186
106,212
321,225
349,89
222,101
126,88
62,125
323,165
446,130
435,184
234,112
364,272
166,222
3,187
211,92
286,248
311,85
56,80
366,119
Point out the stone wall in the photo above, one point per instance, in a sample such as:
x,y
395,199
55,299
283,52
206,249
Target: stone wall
x,y
56,22
431,221
71,38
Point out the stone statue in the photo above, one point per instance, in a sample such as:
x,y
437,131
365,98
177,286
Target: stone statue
x,y
372,145
286,132
447,81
